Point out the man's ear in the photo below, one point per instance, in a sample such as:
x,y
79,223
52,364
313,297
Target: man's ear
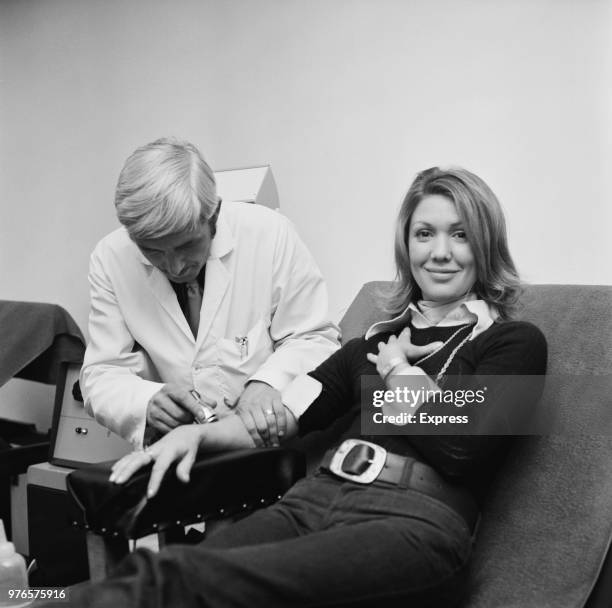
x,y
212,221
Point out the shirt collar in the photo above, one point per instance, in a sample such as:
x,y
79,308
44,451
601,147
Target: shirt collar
x,y
484,314
223,242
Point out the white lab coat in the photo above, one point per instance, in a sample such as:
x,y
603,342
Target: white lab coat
x,y
261,286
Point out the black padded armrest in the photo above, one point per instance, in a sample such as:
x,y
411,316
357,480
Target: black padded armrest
x,y
221,484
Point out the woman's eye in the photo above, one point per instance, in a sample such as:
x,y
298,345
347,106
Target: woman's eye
x,y
423,234
461,235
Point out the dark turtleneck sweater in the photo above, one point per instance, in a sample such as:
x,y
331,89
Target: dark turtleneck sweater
x,y
506,348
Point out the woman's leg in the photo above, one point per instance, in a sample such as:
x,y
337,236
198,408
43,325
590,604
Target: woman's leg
x,y
374,547
299,512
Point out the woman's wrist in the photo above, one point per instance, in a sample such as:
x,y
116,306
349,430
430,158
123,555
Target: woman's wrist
x,y
202,434
389,368
228,433
402,369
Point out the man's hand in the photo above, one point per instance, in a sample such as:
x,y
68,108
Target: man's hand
x,y
263,413
172,406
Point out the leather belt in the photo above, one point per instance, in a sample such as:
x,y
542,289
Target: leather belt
x,y
364,462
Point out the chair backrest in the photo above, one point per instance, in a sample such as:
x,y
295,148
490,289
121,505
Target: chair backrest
x,y
547,522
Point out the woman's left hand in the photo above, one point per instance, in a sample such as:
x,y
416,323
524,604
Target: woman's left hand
x,y
390,356
181,444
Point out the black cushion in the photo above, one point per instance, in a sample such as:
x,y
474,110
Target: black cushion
x,y
221,484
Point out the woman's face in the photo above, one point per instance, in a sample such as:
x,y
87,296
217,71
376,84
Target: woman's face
x,y
441,259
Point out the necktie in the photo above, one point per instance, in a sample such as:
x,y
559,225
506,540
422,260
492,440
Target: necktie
x,y
194,304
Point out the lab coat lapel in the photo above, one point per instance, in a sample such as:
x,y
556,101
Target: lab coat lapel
x,y
217,279
216,283
161,288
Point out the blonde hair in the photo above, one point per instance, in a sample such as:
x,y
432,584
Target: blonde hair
x,y
164,188
497,280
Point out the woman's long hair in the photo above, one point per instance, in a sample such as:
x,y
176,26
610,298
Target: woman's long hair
x,y
497,279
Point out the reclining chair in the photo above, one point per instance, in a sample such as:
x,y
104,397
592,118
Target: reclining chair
x,y
546,528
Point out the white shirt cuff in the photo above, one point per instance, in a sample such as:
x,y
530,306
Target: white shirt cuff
x,y
300,394
409,370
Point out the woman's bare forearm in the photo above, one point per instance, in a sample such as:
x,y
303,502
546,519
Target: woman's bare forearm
x,y
230,433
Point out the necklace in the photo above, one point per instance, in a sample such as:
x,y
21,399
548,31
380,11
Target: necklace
x,y
451,356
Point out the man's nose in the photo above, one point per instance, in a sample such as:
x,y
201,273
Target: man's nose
x,y
174,264
441,249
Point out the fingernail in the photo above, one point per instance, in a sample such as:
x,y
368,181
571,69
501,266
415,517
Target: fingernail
x,y
149,492
281,433
112,478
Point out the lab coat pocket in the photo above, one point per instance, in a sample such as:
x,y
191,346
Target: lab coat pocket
x,y
245,354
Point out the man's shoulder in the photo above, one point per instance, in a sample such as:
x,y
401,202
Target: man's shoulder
x,y
239,214
116,243
117,238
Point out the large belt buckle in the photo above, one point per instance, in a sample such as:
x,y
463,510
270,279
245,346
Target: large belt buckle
x,y
375,464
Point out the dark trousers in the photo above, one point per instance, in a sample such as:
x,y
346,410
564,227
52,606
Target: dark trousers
x,y
326,543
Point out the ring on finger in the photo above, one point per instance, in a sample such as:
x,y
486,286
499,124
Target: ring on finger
x,y
269,412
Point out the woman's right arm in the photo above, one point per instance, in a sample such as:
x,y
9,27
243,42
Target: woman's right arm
x,y
329,392
182,445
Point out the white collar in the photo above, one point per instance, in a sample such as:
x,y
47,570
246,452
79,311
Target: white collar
x,y
223,242
484,314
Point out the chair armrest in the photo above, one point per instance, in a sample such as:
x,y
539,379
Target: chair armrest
x,y
221,484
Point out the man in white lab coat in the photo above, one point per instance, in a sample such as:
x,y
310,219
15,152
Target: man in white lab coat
x,y
197,305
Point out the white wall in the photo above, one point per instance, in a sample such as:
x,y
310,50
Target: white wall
x,y
346,100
